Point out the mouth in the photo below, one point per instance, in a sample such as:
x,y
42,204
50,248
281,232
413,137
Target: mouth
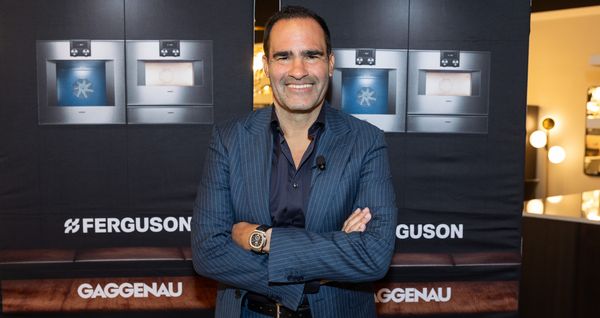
x,y
299,86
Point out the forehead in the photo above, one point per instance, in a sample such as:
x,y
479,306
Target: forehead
x,y
297,33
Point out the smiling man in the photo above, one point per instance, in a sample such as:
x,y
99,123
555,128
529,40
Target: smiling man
x,y
295,212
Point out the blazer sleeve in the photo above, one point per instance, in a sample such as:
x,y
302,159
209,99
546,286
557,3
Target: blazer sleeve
x,y
215,255
300,255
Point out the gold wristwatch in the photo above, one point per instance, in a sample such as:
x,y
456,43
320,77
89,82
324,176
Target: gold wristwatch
x,y
258,238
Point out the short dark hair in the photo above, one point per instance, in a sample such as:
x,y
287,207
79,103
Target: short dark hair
x,y
295,12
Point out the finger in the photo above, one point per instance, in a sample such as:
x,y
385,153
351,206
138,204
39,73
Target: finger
x,y
355,221
358,227
367,217
362,225
350,217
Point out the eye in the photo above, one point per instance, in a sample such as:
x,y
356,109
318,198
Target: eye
x,y
313,57
283,58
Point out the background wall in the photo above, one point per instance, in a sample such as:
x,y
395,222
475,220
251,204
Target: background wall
x,y
60,184
561,43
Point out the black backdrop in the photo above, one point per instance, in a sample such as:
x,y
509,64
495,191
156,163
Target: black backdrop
x,y
52,174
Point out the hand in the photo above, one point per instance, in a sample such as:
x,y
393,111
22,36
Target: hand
x,y
240,233
357,221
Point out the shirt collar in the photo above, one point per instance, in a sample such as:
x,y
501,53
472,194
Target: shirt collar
x,y
318,124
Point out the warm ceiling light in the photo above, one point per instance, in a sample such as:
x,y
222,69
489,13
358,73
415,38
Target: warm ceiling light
x,y
535,206
595,94
257,61
593,216
538,139
554,199
556,154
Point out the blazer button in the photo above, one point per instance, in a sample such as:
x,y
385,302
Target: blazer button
x,y
238,293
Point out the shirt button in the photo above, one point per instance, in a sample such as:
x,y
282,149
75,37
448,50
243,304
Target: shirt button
x,y
295,185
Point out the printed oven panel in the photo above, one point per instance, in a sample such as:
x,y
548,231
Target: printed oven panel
x,y
448,91
81,82
370,84
169,82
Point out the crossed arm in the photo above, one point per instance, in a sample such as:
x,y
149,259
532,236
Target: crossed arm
x,y
356,222
359,251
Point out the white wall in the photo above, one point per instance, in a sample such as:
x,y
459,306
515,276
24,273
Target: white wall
x,y
561,44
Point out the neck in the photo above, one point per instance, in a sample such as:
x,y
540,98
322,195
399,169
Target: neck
x,y
294,124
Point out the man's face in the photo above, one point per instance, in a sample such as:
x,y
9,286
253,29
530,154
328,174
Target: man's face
x,y
298,65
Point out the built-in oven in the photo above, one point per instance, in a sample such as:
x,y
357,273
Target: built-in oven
x,y
169,82
81,82
370,84
448,92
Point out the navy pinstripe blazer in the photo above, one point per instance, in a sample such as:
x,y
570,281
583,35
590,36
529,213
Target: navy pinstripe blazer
x,y
235,187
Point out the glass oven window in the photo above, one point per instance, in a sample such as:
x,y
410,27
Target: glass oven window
x,y
365,91
81,83
169,73
448,83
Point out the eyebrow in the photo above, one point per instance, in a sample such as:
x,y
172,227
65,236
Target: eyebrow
x,y
282,54
304,53
313,53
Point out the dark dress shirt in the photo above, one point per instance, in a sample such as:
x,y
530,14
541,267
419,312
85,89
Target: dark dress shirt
x,y
290,187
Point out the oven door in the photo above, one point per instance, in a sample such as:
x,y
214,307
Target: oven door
x,y
81,90
462,90
169,89
375,93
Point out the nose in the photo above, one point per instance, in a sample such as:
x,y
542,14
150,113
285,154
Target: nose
x,y
298,69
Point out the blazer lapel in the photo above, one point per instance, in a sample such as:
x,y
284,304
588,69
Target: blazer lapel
x,y
256,148
335,145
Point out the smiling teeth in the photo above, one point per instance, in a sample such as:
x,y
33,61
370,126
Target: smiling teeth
x,y
299,85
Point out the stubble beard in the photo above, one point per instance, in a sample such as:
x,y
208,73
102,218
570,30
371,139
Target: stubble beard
x,y
299,109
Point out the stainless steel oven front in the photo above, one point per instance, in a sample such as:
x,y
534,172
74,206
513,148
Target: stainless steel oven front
x,y
81,82
169,82
448,91
370,84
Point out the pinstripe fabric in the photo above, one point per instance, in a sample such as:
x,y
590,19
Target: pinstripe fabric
x,y
235,187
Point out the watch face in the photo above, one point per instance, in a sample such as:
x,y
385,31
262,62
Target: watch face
x,y
256,240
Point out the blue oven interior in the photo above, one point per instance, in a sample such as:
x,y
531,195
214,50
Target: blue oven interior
x,y
81,83
367,91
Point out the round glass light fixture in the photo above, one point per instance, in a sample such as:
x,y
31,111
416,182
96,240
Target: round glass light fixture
x,y
595,94
538,139
554,199
535,206
594,216
556,154
257,61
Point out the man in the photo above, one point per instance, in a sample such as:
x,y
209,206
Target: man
x,y
295,210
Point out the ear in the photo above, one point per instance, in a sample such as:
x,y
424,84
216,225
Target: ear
x,y
331,64
265,61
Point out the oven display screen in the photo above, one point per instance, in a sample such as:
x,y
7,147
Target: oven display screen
x,y
448,83
81,83
169,73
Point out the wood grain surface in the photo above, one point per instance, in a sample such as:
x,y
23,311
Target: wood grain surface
x,y
465,297
128,254
60,295
27,256
455,259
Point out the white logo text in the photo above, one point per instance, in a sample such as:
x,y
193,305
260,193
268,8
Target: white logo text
x,y
127,290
